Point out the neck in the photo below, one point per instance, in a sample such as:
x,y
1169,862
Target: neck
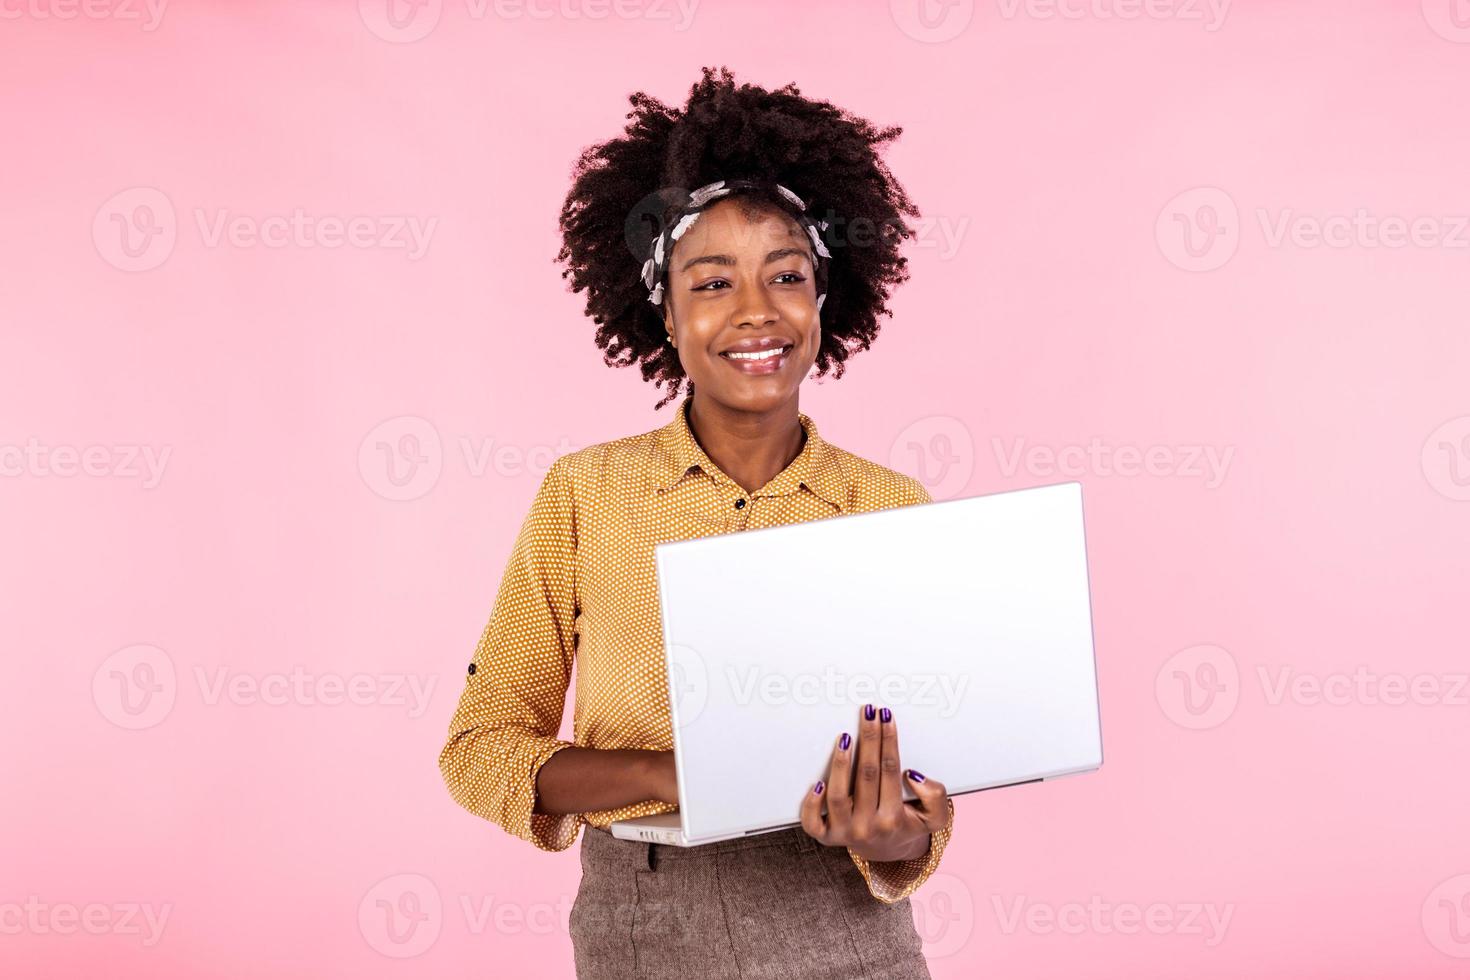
x,y
751,448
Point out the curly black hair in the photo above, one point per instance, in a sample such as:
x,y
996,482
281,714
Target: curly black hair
x,y
625,189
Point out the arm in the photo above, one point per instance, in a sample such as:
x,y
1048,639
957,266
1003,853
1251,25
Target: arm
x,y
577,780
505,727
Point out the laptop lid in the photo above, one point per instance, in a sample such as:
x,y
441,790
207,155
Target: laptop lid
x,y
969,618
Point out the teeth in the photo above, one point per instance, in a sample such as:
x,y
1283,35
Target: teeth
x,y
764,355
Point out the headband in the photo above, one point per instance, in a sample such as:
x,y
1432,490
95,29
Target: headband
x,y
655,268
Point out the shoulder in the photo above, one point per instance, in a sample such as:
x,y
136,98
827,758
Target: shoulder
x,y
622,461
873,486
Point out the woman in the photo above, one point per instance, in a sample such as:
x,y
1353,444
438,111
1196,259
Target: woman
x,y
738,288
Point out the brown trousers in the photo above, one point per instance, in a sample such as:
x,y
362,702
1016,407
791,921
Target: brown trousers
x,y
776,906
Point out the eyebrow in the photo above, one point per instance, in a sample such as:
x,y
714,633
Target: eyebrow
x,y
772,256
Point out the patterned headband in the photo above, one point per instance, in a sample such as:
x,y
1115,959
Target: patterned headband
x,y
655,267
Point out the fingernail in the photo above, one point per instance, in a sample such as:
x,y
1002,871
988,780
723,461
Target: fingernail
x,y
868,712
916,776
886,715
844,741
817,789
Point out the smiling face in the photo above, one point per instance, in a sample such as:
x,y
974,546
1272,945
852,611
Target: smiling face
x,y
741,282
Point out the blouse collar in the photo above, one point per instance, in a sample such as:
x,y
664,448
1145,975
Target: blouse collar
x,y
816,467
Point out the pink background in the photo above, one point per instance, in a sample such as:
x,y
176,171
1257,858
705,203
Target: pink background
x,y
1067,156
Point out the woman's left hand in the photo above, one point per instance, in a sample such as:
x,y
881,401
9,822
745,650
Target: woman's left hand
x,y
864,796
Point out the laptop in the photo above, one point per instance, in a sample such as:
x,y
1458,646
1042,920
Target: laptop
x,y
969,618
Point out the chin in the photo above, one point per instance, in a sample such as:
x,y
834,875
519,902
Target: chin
x,y
753,396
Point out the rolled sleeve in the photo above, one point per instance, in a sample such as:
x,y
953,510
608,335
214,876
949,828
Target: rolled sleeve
x,y
510,711
893,881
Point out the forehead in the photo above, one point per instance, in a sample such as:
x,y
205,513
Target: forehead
x,y
734,222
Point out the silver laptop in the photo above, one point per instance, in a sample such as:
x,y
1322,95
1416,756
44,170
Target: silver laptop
x,y
970,619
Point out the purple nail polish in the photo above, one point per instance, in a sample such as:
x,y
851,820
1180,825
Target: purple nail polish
x,y
817,789
916,776
868,712
886,715
844,741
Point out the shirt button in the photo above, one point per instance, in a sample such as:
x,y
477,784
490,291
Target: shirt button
x,y
740,503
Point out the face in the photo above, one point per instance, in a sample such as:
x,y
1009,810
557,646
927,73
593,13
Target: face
x,y
743,283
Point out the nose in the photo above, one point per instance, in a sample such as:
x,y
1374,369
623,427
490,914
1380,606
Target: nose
x,y
753,304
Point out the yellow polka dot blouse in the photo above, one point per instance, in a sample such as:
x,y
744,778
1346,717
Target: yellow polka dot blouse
x,y
580,588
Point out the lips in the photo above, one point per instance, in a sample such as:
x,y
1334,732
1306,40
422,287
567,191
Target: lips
x,y
754,345
763,359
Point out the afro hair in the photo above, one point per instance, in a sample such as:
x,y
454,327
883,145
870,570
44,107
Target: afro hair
x,y
625,190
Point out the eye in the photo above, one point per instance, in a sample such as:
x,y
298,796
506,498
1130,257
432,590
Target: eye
x,y
792,278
